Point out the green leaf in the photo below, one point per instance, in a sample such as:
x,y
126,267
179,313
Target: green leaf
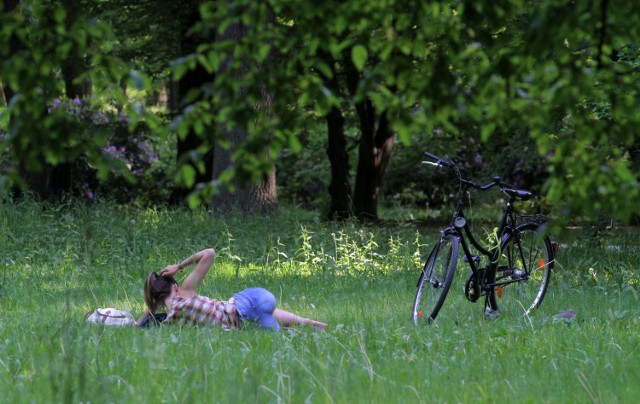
x,y
295,144
59,14
187,175
263,51
62,51
487,131
324,69
359,55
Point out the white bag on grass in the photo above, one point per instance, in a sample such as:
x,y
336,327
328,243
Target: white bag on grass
x,y
110,316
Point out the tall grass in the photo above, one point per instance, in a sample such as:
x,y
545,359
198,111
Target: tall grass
x,y
59,262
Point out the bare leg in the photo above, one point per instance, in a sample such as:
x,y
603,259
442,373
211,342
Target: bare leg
x,y
286,319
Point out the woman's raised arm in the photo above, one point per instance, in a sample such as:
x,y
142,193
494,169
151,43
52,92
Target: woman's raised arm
x,y
203,261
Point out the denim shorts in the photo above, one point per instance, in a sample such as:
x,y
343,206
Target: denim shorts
x,y
255,306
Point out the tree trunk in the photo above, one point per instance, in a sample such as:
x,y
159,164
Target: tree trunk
x,y
57,178
191,81
73,66
2,96
248,196
374,153
49,180
339,189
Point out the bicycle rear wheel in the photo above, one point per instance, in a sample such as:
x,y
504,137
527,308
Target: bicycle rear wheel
x,y
524,270
435,279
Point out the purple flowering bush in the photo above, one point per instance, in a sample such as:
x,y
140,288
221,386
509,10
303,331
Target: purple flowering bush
x,y
128,164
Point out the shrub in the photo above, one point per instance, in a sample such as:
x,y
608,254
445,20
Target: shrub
x,y
139,164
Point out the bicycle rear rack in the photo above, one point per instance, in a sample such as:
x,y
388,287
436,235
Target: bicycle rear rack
x,y
537,219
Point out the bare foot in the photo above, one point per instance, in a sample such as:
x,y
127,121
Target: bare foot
x,y
320,326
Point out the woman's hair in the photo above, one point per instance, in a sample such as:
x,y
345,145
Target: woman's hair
x,y
156,289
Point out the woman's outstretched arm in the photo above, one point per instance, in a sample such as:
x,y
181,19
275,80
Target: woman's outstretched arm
x,y
203,261
143,317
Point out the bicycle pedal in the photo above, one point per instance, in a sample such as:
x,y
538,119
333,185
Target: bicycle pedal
x,y
474,257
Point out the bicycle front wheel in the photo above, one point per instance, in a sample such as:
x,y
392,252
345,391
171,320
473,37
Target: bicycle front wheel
x,y
435,279
523,271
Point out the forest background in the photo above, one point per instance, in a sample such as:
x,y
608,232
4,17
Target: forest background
x,y
243,105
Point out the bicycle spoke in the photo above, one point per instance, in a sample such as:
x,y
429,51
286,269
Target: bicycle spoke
x,y
522,281
435,280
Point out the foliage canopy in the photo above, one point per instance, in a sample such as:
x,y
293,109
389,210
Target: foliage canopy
x,y
564,73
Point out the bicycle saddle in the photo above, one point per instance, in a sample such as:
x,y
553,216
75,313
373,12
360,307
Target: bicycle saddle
x,y
520,194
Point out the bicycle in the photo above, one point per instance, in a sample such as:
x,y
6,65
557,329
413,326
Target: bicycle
x,y
518,261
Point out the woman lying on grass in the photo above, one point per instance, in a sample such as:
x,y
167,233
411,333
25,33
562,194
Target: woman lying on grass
x,y
251,306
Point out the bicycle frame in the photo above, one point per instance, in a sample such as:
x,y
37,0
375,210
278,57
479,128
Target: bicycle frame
x,y
460,228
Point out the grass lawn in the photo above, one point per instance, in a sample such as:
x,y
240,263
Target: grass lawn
x,y
59,262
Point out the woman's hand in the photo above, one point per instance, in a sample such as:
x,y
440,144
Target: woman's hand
x,y
203,261
170,270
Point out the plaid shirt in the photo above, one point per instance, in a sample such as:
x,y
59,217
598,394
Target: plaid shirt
x,y
202,310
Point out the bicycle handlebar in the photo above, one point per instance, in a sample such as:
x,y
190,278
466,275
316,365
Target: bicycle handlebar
x,y
437,161
448,163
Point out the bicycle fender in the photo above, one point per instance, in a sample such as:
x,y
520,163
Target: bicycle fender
x,y
449,231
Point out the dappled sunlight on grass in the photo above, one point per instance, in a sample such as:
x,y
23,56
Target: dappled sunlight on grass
x,y
359,279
